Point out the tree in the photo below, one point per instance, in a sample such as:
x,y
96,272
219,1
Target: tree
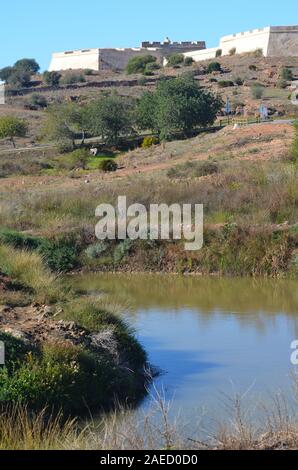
x,y
52,78
109,117
12,127
62,124
5,73
27,65
178,104
19,78
138,64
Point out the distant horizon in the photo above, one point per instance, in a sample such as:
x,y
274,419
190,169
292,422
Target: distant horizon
x,y
34,31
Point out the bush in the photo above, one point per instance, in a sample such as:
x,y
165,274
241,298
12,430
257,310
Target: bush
x,y
108,166
96,250
59,255
193,170
239,81
138,64
257,91
74,160
218,53
258,53
38,101
214,67
287,74
88,72
232,51
188,61
281,83
225,83
72,78
122,250
149,142
52,78
175,59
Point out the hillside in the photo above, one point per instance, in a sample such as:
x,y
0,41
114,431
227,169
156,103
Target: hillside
x,y
244,69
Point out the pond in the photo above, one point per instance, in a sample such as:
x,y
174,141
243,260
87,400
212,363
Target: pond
x,y
211,338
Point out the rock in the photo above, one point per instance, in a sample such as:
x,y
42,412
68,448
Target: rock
x,y
48,311
18,335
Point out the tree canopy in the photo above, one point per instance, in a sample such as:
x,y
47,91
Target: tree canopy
x,y
12,127
178,104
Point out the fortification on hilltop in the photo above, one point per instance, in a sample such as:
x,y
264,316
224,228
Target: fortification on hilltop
x,y
117,59
274,41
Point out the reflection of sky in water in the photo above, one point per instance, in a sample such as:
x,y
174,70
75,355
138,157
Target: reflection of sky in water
x,y
200,360
209,336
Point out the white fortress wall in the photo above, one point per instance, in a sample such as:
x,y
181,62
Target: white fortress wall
x,y
247,41
81,59
202,55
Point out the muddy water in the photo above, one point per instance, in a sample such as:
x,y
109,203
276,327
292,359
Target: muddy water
x,y
211,338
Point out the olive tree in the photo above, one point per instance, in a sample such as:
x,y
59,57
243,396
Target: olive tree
x,y
12,127
178,104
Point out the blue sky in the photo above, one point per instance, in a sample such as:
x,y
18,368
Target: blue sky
x,y
34,28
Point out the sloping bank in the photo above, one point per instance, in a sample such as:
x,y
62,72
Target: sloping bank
x,y
61,351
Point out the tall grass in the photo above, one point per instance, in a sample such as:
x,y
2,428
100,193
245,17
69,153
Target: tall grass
x,y
22,430
28,269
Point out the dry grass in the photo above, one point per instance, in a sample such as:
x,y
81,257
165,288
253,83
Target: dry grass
x,y
123,430
28,269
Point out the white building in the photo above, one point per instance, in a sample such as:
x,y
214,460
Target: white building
x,y
274,41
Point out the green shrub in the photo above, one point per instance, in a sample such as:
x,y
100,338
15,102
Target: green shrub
x,y
73,160
149,142
37,100
60,255
232,51
287,74
122,250
108,166
258,53
281,83
214,67
218,53
225,83
96,250
257,91
52,78
71,78
188,61
138,64
175,59
239,81
88,72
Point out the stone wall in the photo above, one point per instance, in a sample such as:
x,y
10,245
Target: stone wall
x,y
106,59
